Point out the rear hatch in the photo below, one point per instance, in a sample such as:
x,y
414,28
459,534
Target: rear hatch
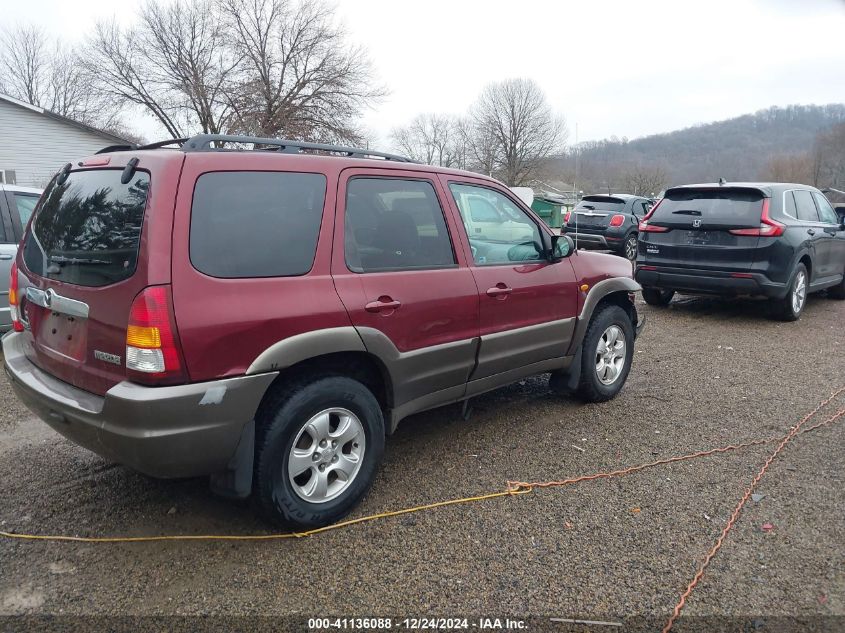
x,y
594,212
701,228
82,265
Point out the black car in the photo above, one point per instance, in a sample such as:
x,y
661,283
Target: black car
x,y
775,240
607,222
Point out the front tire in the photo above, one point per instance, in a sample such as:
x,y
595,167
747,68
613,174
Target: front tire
x,y
318,447
658,297
606,356
790,307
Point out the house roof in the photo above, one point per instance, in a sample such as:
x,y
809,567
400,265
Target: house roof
x,y
58,117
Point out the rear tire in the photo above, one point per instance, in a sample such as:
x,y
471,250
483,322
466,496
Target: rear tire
x,y
607,352
629,250
657,297
292,429
790,307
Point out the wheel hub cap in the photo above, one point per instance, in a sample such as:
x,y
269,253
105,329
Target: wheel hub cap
x,y
610,355
326,455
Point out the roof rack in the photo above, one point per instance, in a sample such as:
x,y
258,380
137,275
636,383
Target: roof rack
x,y
203,142
133,147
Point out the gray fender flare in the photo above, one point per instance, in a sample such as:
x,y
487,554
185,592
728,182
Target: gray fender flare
x,y
594,296
300,347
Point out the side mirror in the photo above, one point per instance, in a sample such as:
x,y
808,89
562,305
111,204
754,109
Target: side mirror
x,y
562,246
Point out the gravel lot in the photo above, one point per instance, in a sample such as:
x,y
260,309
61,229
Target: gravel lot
x,y
706,373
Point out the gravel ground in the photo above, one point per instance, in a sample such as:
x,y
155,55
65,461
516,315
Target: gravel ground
x,y
706,373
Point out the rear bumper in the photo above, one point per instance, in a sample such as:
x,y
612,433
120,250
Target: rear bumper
x,y
180,431
710,282
606,240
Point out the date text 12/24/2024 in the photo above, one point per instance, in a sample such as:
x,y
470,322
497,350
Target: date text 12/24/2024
x,y
416,624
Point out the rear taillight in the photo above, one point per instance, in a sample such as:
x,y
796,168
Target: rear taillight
x,y
768,227
645,227
14,300
153,355
617,220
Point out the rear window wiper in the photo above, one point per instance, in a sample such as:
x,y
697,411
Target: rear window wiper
x,y
686,212
61,259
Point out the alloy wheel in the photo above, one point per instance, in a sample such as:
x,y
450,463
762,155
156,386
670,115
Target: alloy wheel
x,y
631,248
326,455
610,355
799,292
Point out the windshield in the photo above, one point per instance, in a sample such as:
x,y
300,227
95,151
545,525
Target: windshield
x,y
87,230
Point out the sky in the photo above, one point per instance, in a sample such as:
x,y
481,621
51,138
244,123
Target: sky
x,y
610,67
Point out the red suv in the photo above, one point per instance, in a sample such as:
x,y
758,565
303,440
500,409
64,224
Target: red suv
x,y
265,316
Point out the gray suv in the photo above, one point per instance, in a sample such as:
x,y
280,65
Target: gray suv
x,y
16,205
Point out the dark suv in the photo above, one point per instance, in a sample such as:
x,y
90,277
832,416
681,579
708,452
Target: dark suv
x,y
265,316
775,240
607,222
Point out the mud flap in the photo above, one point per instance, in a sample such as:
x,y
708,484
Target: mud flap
x,y
236,481
566,380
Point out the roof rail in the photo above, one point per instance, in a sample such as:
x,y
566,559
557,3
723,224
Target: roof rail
x,y
203,142
132,147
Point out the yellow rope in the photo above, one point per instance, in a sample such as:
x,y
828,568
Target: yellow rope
x,y
256,537
513,488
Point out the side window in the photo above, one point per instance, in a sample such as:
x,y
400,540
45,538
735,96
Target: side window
x,y
25,205
826,212
640,208
513,237
256,224
789,205
806,207
394,224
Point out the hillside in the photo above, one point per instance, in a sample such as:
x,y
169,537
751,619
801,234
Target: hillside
x,y
736,149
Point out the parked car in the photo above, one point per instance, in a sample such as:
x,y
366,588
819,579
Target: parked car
x,y
775,240
266,317
607,222
16,205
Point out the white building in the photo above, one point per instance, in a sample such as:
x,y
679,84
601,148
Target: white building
x,y
35,143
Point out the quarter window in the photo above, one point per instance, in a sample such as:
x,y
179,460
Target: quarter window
x,y
826,212
256,224
806,208
789,205
394,224
501,236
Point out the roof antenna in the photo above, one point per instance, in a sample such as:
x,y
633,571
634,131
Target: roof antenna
x,y
722,182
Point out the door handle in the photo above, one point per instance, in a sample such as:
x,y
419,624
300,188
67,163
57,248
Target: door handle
x,y
500,291
811,232
384,305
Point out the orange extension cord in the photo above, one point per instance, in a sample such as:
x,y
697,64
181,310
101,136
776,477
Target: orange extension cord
x,y
513,488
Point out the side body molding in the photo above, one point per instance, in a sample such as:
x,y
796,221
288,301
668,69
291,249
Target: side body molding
x,y
300,347
594,296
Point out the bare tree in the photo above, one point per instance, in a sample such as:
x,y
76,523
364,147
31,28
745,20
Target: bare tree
x,y
790,168
48,74
522,125
301,77
430,138
828,158
175,64
642,180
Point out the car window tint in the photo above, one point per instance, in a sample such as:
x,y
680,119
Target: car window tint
x,y
25,204
256,224
789,205
394,224
805,205
511,237
826,212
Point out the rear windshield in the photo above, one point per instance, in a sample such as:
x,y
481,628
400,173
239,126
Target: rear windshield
x,y
87,230
601,202
712,207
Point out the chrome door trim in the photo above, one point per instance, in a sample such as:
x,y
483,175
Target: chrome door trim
x,y
52,300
